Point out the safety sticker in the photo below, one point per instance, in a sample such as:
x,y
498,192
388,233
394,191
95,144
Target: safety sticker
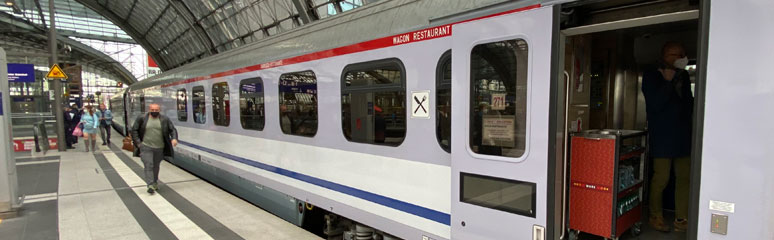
x,y
721,206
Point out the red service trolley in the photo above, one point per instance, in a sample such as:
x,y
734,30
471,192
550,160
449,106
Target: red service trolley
x,y
606,182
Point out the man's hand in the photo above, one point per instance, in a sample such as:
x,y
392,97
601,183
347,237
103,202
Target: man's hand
x,y
668,74
174,142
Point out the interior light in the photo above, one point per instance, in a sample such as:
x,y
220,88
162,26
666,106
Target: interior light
x,y
9,3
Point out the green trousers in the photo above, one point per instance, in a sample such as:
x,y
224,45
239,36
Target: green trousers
x,y
661,168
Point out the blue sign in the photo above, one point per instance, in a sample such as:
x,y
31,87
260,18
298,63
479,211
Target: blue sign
x,y
23,99
18,72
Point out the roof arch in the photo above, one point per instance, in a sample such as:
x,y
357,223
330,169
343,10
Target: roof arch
x,y
177,32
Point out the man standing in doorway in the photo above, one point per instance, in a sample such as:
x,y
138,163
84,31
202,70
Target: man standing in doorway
x,y
154,136
105,123
669,107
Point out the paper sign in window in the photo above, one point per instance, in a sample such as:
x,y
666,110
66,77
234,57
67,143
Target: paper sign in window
x,y
499,131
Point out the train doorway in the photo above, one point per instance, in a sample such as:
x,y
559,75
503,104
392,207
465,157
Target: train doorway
x,y
501,77
608,50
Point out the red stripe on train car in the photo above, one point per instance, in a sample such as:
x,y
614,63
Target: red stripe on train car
x,y
394,40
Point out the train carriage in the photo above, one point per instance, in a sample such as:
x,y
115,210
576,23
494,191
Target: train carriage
x,y
451,119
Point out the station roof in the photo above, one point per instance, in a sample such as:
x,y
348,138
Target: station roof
x,y
177,32
25,41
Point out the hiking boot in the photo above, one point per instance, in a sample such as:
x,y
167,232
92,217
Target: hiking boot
x,y
681,225
657,223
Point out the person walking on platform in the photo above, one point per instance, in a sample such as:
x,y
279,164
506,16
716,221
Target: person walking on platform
x,y
75,115
105,122
154,137
669,108
90,124
68,125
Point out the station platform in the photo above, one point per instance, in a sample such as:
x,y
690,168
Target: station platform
x,y
101,195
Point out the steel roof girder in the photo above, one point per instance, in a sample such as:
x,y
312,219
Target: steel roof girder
x,y
302,11
131,10
199,31
156,20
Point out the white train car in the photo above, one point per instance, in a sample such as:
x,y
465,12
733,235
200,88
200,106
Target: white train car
x,y
118,108
353,117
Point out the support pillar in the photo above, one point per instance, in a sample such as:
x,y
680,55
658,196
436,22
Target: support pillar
x,y
57,107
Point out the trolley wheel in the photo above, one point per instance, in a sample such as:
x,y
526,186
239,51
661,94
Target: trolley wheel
x,y
636,229
572,234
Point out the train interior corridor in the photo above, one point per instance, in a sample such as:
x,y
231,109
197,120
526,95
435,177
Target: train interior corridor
x,y
603,73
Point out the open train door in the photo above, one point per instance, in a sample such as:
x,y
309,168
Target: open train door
x,y
502,68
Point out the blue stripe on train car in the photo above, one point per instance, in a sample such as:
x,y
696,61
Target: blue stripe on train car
x,y
423,212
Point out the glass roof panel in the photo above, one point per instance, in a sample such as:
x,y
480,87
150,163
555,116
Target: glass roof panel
x,y
145,13
200,7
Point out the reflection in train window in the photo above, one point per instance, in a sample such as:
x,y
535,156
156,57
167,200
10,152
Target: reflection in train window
x,y
251,104
221,113
129,102
508,195
182,107
373,102
198,104
142,102
298,103
443,101
498,109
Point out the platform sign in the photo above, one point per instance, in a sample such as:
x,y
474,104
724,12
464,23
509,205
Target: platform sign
x,y
56,73
420,104
18,72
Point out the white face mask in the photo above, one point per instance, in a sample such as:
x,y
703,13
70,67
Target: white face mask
x,y
681,63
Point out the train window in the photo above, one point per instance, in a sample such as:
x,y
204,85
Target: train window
x,y
182,106
498,109
373,102
221,113
198,104
497,193
298,103
251,104
443,101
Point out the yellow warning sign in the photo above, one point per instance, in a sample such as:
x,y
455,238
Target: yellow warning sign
x,y
56,72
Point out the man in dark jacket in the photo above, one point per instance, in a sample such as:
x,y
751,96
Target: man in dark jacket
x,y
669,107
68,125
154,136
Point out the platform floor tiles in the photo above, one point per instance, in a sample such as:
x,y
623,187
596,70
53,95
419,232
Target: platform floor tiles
x,y
80,195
